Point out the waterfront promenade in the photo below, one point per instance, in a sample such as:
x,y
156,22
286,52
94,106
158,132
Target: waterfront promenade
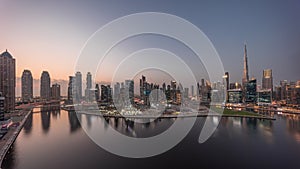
x,y
19,117
182,115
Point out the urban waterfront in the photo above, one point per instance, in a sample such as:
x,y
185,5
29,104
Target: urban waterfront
x,y
53,138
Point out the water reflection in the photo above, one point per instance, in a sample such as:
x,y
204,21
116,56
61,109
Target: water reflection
x,y
240,140
45,116
133,128
74,122
249,127
28,124
293,126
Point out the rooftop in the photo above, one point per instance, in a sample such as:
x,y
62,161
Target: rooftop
x,y
6,54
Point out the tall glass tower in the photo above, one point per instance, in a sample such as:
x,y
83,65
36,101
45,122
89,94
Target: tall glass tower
x,y
245,72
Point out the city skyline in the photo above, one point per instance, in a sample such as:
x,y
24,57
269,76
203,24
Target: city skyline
x,y
111,84
55,39
64,83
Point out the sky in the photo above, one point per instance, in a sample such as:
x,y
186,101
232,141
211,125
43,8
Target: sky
x,y
49,35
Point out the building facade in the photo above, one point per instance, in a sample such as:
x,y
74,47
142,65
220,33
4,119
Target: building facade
x,y
27,86
78,85
235,96
45,91
55,92
267,80
251,94
8,80
71,89
2,99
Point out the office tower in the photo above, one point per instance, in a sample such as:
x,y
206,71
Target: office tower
x,y
45,86
226,77
251,91
186,93
116,91
78,85
173,91
192,90
88,94
264,97
290,93
245,78
245,71
106,93
168,92
129,85
55,92
267,79
27,86
145,89
198,90
89,80
97,92
277,93
297,94
71,89
235,96
283,84
204,91
2,100
178,97
8,80
142,86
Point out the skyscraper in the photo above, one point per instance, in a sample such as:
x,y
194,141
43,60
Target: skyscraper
x,y
71,89
129,85
8,80
88,91
245,72
27,87
106,93
116,91
45,86
97,92
55,91
226,77
192,90
251,94
267,80
89,80
283,85
78,85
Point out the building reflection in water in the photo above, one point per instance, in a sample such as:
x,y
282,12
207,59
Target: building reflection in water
x,y
55,111
293,126
74,121
28,124
45,116
251,126
129,127
46,112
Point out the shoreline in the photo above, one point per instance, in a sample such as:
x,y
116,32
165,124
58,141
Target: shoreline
x,y
179,116
11,138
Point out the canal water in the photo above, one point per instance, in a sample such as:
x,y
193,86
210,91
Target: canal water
x,y
53,139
